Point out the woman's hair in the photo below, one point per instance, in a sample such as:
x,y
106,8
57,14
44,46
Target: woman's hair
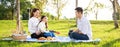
x,y
46,24
33,10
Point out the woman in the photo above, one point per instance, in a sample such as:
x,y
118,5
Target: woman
x,y
42,27
33,22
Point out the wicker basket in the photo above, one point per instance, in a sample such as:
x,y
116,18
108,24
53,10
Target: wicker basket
x,y
19,36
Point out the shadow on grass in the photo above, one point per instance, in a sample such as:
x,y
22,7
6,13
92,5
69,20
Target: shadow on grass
x,y
9,43
111,43
73,26
101,22
62,28
67,27
46,44
110,29
64,44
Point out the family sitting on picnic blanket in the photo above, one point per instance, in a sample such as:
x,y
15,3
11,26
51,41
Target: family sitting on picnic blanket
x,y
38,27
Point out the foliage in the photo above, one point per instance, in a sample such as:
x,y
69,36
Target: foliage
x,y
8,9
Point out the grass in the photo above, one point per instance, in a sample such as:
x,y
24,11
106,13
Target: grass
x,y
101,29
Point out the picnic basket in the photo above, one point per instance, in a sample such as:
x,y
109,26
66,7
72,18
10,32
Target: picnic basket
x,y
19,36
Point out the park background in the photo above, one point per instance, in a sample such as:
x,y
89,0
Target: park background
x,y
104,16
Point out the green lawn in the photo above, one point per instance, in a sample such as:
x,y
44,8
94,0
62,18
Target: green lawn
x,y
104,30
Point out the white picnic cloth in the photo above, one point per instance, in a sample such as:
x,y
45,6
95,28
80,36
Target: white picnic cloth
x,y
59,39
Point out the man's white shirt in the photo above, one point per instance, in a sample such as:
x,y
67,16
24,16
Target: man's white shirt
x,y
84,26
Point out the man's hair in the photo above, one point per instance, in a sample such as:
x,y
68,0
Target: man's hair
x,y
79,9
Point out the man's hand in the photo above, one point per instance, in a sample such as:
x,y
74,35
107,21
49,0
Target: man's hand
x,y
78,31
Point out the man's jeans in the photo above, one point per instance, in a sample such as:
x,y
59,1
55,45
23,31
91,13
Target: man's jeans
x,y
77,36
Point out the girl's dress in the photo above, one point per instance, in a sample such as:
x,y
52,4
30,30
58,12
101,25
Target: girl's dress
x,y
42,28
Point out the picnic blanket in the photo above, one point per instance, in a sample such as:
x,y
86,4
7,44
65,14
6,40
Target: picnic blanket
x,y
57,39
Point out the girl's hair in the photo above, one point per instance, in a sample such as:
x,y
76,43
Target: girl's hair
x,y
34,10
42,18
46,24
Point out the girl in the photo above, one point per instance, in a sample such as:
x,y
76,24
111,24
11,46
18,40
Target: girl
x,y
42,27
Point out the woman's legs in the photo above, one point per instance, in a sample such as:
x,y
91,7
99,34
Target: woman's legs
x,y
34,35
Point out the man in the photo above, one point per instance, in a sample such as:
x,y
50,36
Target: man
x,y
83,31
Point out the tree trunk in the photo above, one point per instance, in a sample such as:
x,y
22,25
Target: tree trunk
x,y
76,3
13,9
76,6
58,9
18,15
96,14
118,10
114,14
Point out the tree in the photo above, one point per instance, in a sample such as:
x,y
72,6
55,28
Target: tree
x,y
115,11
95,8
76,5
9,8
76,1
88,8
18,15
25,5
40,4
59,5
117,5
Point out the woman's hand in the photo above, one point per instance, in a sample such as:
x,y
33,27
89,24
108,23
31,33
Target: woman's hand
x,y
37,32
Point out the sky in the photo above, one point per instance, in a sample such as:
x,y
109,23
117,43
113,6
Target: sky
x,y
69,12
